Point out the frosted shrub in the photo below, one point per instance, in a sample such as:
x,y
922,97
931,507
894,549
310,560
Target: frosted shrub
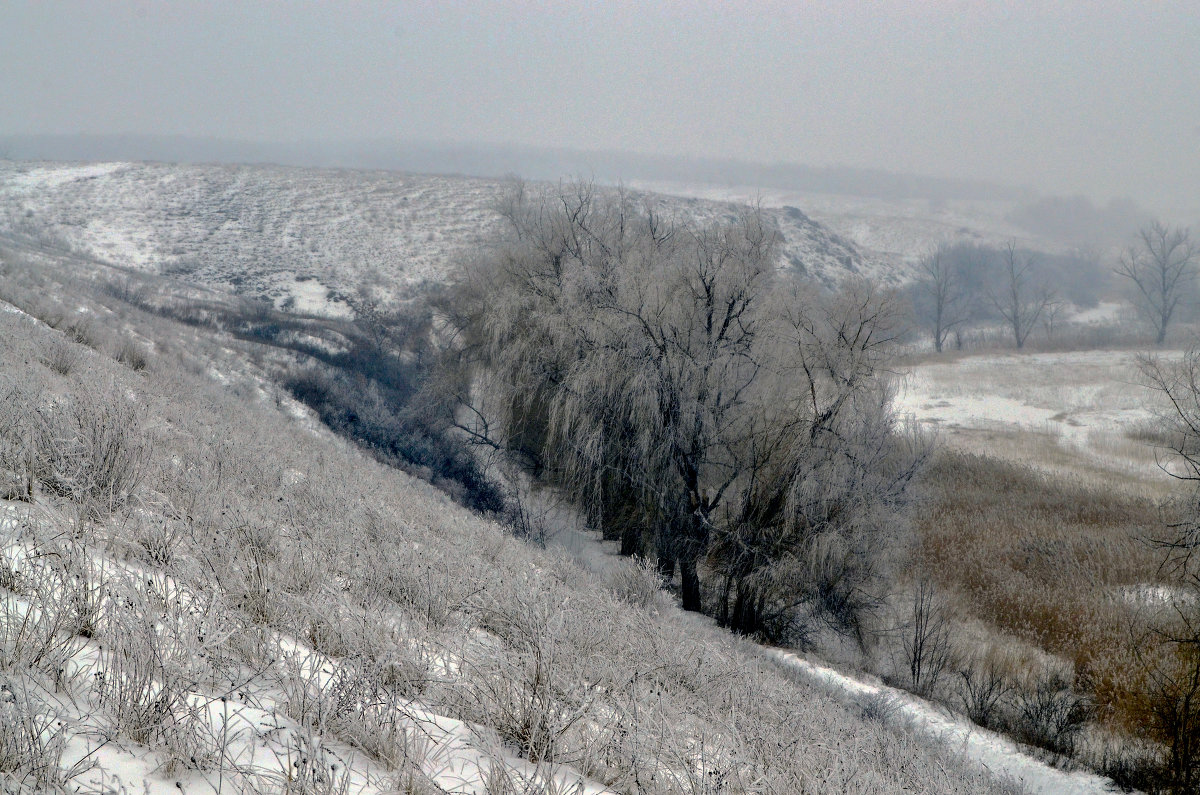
x,y
62,357
92,450
308,768
926,640
636,582
41,630
79,329
1051,714
140,687
133,356
984,689
529,689
20,426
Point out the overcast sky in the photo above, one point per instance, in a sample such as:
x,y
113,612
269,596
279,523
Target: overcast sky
x,y
1101,98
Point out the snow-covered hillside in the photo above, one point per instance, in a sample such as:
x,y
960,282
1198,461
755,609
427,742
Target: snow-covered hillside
x,y
306,238
210,593
277,233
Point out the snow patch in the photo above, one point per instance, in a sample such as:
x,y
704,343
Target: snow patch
x,y
53,176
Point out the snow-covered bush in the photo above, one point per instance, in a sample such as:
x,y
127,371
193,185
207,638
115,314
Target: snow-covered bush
x,y
91,450
63,356
636,581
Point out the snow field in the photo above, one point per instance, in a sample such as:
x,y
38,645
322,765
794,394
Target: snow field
x,y
1069,412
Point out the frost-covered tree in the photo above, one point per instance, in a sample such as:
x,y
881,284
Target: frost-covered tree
x,y
670,380
1170,642
940,294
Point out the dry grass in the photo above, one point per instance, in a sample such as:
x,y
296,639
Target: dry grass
x,y
1046,562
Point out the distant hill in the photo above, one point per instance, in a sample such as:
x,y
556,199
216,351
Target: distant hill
x,y
305,237
494,160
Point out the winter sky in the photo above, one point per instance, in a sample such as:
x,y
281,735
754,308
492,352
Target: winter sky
x,y
1100,97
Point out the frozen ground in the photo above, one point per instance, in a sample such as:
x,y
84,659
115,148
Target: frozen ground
x,y
260,744
1073,412
991,751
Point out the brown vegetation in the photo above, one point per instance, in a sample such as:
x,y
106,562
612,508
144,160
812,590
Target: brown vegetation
x,y
1057,566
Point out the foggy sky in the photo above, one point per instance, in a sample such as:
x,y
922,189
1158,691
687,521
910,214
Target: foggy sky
x,y
1100,98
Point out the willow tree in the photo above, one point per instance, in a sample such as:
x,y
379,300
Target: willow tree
x,y
667,379
825,477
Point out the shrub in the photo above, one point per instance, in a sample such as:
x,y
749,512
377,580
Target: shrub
x,y
926,640
984,689
63,356
141,682
306,767
1050,713
133,356
91,450
636,581
79,329
32,740
42,632
527,689
20,427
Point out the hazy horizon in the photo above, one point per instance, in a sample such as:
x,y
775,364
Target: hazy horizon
x,y
1090,98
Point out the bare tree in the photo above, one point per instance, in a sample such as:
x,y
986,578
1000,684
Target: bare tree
x,y
926,639
1019,302
941,294
1162,268
1052,317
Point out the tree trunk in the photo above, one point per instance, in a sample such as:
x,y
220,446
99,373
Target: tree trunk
x,y
691,584
747,610
631,540
739,611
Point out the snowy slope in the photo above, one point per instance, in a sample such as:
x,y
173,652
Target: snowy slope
x,y
312,235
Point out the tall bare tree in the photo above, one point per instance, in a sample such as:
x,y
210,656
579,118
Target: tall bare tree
x,y
1161,266
941,295
1019,301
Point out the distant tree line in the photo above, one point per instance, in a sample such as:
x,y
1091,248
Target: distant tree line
x,y
964,285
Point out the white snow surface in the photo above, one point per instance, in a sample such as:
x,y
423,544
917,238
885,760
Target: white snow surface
x,y
1085,402
53,176
991,751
